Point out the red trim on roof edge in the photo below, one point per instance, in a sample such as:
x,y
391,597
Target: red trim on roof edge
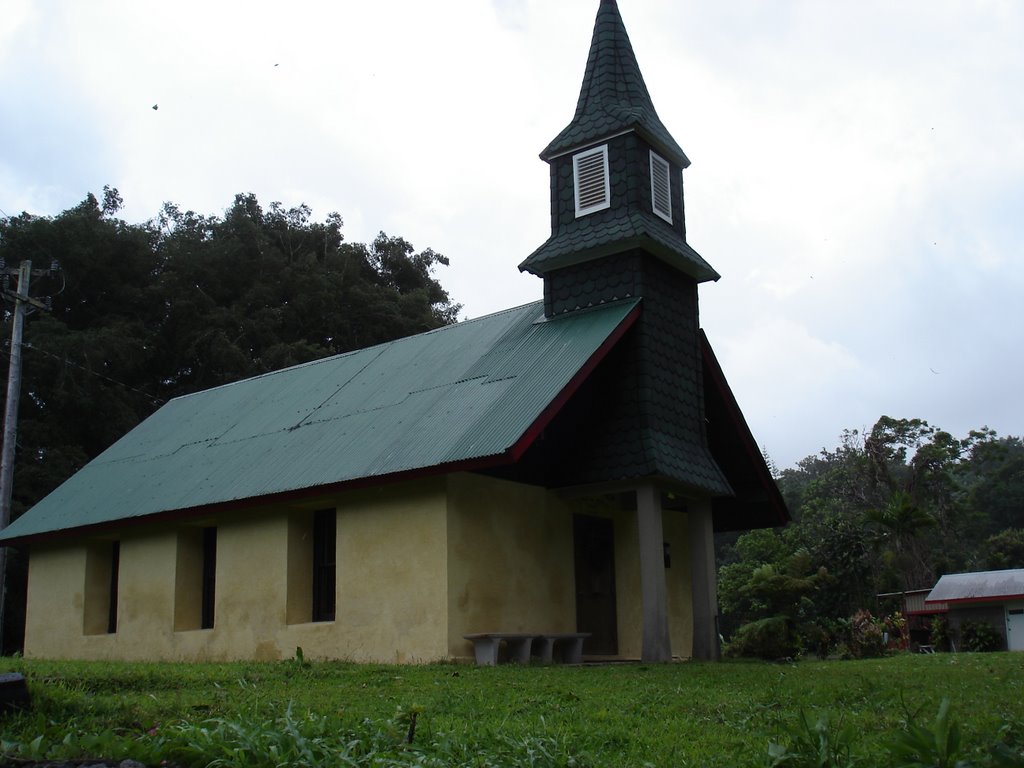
x,y
996,599
510,456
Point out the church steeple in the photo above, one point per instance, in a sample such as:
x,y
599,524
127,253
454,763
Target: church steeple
x,y
618,231
613,97
616,171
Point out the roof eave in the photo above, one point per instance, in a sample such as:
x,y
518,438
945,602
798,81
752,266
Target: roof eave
x,y
977,599
559,148
668,255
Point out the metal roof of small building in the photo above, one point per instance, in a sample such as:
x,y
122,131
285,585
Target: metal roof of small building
x,y
468,392
914,602
613,97
983,586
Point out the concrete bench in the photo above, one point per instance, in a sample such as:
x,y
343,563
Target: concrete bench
x,y
566,647
485,646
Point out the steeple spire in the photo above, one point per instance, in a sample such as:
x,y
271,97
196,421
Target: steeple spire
x,y
613,97
616,172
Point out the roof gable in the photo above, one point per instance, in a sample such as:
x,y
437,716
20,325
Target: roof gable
x,y
613,97
471,392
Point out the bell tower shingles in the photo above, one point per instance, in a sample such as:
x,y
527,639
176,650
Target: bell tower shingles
x,y
635,246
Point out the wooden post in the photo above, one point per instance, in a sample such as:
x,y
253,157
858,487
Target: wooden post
x,y
657,645
11,426
704,581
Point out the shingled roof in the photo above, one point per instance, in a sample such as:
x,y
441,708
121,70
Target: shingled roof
x,y
462,397
591,238
613,97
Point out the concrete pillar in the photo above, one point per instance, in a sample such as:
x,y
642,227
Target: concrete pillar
x,y
657,645
704,581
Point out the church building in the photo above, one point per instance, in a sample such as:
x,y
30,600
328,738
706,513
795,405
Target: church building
x,y
558,467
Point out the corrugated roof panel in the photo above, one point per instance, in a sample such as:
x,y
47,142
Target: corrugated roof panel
x,y
463,392
980,586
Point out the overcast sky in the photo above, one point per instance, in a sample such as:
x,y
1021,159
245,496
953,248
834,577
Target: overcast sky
x,y
857,176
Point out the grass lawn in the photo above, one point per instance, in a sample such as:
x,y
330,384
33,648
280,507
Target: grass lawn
x,y
688,714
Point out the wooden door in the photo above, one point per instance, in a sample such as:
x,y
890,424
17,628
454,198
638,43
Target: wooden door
x,y
594,544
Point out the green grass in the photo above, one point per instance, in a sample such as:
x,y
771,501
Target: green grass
x,y
688,714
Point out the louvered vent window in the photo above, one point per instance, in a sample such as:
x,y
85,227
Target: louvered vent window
x,y
661,188
590,174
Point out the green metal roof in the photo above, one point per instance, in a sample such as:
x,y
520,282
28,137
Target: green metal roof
x,y
460,394
613,97
591,237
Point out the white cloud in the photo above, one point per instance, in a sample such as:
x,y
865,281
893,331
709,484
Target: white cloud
x,y
778,370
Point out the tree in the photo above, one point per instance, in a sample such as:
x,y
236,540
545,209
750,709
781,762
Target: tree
x,y
782,595
996,490
897,527
1004,550
887,510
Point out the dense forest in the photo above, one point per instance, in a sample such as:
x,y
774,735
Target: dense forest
x,y
142,313
888,510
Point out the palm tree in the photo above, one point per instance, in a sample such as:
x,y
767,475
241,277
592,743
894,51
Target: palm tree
x,y
897,527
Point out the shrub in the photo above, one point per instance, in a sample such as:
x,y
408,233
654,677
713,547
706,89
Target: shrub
x,y
979,636
899,633
770,639
818,637
825,637
940,634
867,635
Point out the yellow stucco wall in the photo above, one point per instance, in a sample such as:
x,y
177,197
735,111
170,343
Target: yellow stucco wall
x,y
511,565
678,584
419,565
391,579
510,560
56,595
678,597
392,589
628,602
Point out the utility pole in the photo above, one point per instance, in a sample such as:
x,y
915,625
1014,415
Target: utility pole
x,y
22,302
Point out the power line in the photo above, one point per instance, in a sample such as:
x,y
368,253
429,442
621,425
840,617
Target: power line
x,y
64,360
